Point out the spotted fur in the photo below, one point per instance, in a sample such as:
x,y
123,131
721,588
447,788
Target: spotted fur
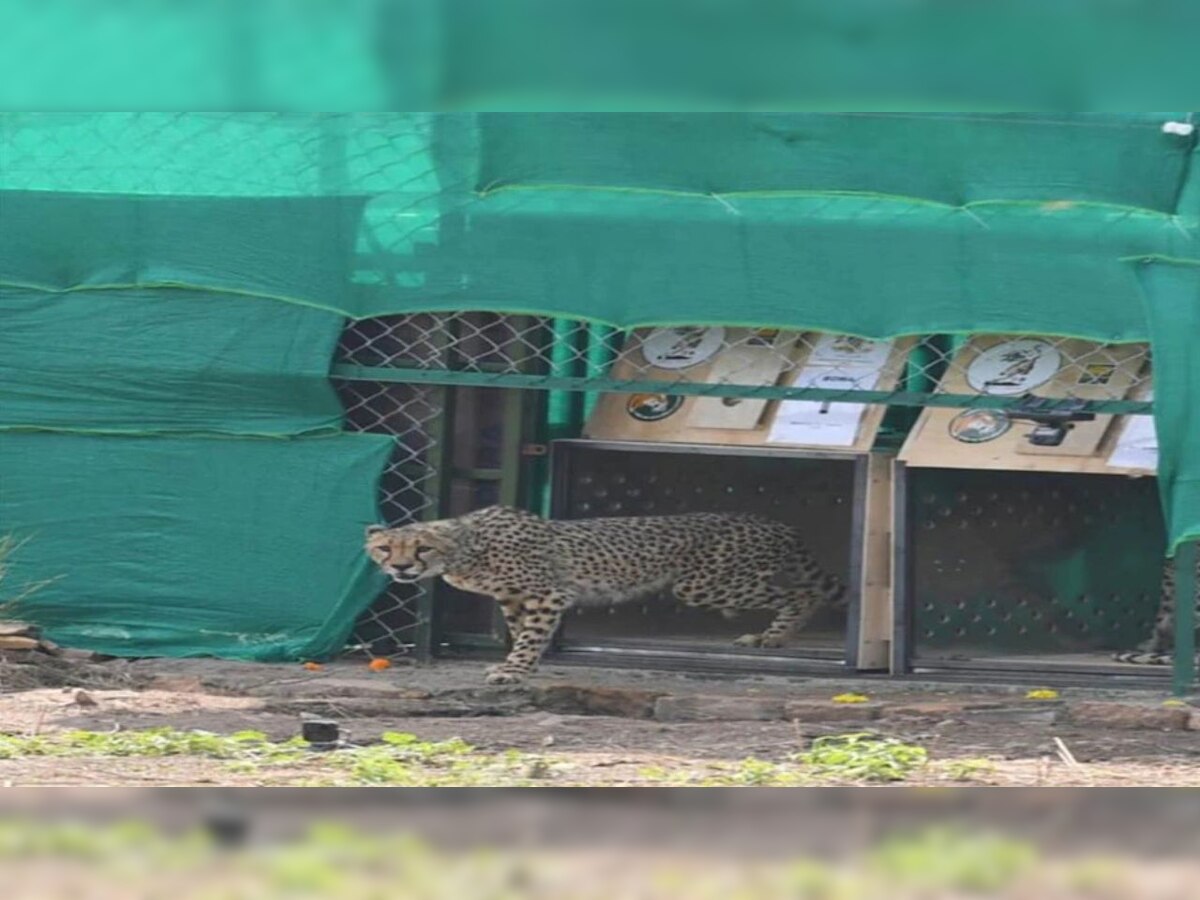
x,y
1156,650
536,569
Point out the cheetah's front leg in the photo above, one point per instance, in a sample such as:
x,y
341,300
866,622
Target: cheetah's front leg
x,y
536,628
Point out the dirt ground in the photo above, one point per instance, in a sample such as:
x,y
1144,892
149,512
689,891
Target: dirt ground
x,y
578,726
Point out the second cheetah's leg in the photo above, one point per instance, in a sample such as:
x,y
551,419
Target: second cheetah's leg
x,y
536,627
1163,636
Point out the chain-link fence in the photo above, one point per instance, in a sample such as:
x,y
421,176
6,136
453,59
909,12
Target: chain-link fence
x,y
994,371
411,414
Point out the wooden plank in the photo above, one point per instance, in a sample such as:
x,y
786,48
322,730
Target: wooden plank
x,y
875,607
753,357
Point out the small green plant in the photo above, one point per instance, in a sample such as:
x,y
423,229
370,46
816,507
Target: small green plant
x,y
941,859
863,757
11,602
757,772
969,769
402,759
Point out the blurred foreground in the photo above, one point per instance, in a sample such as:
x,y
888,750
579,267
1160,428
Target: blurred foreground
x,y
648,844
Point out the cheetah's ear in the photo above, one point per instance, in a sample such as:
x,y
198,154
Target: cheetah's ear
x,y
374,529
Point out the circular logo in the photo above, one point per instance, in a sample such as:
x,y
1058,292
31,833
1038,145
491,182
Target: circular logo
x,y
978,426
1014,367
681,348
652,407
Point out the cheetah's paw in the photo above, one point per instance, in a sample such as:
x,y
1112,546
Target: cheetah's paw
x,y
500,675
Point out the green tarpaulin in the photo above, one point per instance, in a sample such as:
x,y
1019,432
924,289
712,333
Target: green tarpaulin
x,y
190,546
180,280
170,446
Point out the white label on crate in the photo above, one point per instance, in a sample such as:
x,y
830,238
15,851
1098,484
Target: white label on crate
x,y
1137,446
857,366
1014,367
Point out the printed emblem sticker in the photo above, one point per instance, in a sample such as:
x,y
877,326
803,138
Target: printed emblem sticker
x,y
681,348
978,426
1014,367
1097,373
652,407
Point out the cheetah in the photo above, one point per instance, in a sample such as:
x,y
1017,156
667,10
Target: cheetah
x,y
1156,650
536,569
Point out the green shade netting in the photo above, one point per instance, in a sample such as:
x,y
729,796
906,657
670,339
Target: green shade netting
x,y
197,265
191,546
157,360
1172,291
201,329
295,248
947,159
867,266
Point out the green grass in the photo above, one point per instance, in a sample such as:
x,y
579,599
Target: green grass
x,y
862,757
250,746
399,759
849,758
969,769
11,598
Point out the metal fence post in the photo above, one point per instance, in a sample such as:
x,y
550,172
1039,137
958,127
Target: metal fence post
x,y
1184,675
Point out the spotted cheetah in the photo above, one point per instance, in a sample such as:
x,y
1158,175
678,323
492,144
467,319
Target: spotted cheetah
x,y
1156,650
536,569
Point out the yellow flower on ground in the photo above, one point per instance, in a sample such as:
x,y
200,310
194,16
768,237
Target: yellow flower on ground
x,y
1041,694
851,698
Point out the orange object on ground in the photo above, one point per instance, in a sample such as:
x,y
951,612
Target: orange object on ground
x,y
313,667
378,665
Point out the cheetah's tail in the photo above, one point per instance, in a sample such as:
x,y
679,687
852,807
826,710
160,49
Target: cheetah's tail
x,y
836,591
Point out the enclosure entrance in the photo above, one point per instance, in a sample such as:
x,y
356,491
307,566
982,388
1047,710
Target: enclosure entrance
x,y
818,494
1013,539
1027,572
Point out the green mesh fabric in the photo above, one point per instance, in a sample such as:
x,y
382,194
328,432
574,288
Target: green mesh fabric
x,y
170,446
188,546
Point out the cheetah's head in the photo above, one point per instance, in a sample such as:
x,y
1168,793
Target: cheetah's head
x,y
411,552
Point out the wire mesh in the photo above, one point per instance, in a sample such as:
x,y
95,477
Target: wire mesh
x,y
698,359
407,493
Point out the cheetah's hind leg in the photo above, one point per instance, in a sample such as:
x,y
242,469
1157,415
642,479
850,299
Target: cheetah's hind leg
x,y
796,607
789,620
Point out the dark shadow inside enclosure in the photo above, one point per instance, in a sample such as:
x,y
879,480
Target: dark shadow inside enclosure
x,y
817,496
1031,568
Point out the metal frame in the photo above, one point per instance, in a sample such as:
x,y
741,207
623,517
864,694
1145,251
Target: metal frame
x,y
707,658
1021,670
1183,672
483,378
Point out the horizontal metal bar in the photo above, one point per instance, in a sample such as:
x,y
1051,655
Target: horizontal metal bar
x,y
757,392
704,449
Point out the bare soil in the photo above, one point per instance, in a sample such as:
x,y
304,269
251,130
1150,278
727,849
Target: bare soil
x,y
1013,734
